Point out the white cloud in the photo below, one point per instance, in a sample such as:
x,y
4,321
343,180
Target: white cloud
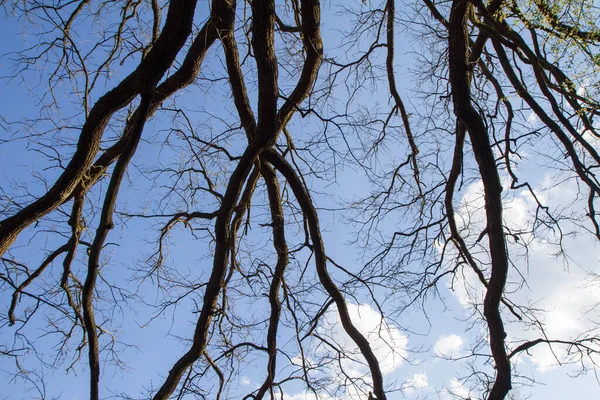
x,y
299,361
417,382
448,346
540,277
245,381
303,396
532,118
558,284
563,319
350,372
456,389
387,342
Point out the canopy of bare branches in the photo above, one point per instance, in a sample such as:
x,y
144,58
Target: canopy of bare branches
x,y
257,179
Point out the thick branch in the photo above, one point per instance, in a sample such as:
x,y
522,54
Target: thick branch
x,y
305,201
177,28
104,226
460,72
263,43
280,244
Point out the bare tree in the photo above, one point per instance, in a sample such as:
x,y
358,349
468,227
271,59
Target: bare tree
x,y
226,116
492,64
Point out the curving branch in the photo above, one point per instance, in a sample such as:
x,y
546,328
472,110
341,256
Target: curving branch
x,y
460,72
178,26
310,213
104,226
399,104
281,248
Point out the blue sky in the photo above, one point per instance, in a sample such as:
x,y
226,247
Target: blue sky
x,y
416,342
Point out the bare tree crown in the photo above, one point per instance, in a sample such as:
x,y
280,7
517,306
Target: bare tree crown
x,y
211,131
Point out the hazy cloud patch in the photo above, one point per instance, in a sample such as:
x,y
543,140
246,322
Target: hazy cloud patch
x,y
448,346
